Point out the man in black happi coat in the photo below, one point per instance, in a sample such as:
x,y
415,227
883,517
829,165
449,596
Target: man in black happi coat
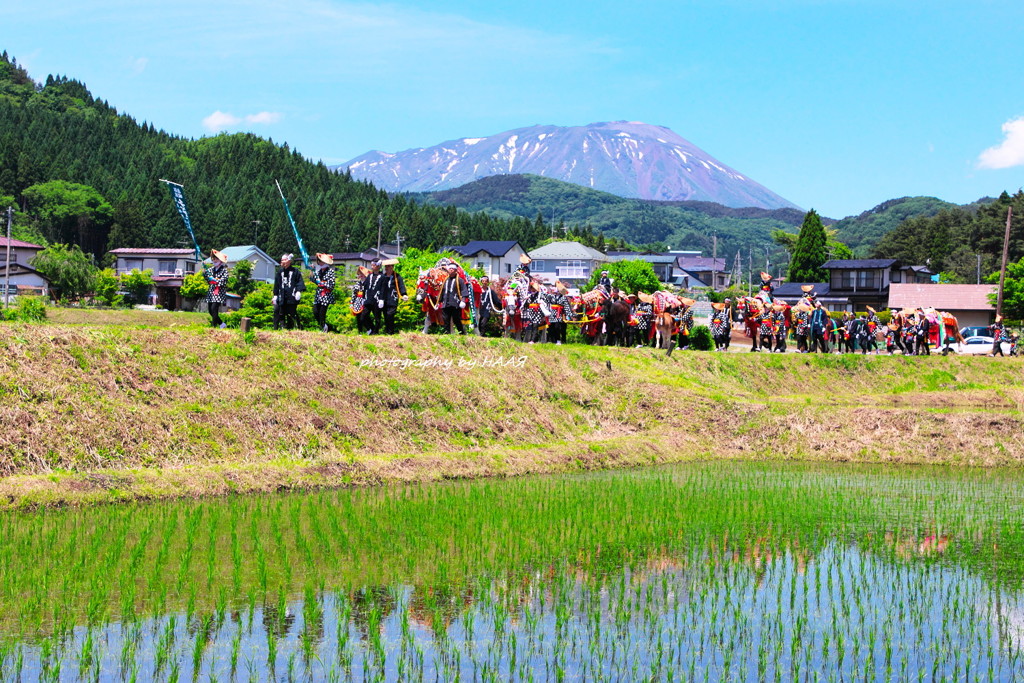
x,y
288,288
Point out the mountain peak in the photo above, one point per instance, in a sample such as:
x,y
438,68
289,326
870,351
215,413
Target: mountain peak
x,y
628,158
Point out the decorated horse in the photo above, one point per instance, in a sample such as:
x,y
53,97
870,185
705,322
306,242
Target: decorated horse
x,y
429,288
513,292
590,311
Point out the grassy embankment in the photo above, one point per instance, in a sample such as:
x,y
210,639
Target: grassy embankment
x,y
96,413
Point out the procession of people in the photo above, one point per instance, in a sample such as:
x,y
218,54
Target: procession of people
x,y
525,308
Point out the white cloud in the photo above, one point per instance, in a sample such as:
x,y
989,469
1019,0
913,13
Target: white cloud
x,y
137,66
219,120
1011,152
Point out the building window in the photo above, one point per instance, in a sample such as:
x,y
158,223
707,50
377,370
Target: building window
x,y
538,266
480,265
866,279
508,268
131,264
167,267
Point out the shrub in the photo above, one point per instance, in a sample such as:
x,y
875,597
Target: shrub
x,y
26,309
701,339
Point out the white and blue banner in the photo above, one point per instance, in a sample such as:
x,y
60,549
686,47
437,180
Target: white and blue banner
x,y
178,193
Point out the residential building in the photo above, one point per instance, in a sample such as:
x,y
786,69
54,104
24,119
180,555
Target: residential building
x,y
969,303
264,267
662,264
570,262
353,259
169,266
690,271
495,258
791,293
21,252
23,280
865,282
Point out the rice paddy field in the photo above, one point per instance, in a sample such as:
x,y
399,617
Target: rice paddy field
x,y
721,571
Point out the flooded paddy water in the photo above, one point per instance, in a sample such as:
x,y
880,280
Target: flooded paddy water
x,y
721,571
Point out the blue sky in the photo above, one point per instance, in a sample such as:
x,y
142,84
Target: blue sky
x,y
836,105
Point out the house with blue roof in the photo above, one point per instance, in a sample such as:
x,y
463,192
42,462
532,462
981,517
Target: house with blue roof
x,y
264,267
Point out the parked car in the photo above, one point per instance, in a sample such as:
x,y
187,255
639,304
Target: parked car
x,y
977,346
969,332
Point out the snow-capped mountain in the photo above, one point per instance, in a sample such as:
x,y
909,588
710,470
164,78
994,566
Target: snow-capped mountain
x,y
629,159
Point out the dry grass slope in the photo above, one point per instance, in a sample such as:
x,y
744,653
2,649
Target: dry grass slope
x,y
95,413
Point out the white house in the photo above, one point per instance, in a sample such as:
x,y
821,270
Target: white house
x,y
264,267
495,258
169,266
570,262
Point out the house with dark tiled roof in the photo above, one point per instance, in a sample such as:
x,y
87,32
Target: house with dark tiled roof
x,y
570,262
354,259
865,282
495,258
662,264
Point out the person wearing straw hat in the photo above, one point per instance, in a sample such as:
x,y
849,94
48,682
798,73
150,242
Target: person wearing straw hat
x,y
524,265
391,289
605,281
998,330
324,280
288,288
643,310
533,317
719,325
685,322
374,305
217,282
779,327
808,297
801,325
561,308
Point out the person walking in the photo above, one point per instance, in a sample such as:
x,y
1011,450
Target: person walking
x,y
324,280
217,281
391,291
453,299
288,289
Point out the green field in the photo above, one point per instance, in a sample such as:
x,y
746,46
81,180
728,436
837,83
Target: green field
x,y
110,412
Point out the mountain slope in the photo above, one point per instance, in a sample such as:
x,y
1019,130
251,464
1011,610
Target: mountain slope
x,y
862,232
628,159
681,225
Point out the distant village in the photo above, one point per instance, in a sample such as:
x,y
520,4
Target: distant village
x,y
853,284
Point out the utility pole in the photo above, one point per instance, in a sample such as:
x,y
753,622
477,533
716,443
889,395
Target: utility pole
x,y
979,269
455,232
348,243
1002,270
714,258
7,269
750,270
256,232
380,228
398,241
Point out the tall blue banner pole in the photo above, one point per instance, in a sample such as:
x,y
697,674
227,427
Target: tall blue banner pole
x,y
178,194
295,228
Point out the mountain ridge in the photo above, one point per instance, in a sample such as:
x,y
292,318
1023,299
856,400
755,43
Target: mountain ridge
x,y
626,158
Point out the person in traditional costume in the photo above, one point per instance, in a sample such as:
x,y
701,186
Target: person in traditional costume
x,y
374,306
892,331
453,299
801,325
357,303
809,297
909,332
781,331
719,325
765,293
605,281
288,288
524,265
924,329
324,280
998,332
643,311
217,286
1013,344
391,290
533,316
685,323
766,327
490,303
561,309
820,322
871,326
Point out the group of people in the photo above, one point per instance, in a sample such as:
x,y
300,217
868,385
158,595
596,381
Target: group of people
x,y
524,308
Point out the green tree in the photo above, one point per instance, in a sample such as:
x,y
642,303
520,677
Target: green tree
x,y
70,212
810,251
194,286
629,276
71,273
240,281
107,286
1013,290
137,284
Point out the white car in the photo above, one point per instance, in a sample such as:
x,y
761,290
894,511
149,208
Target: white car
x,y
978,346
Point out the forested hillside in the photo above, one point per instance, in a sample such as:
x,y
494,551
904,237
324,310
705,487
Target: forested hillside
x,y
952,240
679,225
80,172
863,232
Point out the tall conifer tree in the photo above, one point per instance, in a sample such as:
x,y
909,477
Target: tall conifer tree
x,y
810,252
